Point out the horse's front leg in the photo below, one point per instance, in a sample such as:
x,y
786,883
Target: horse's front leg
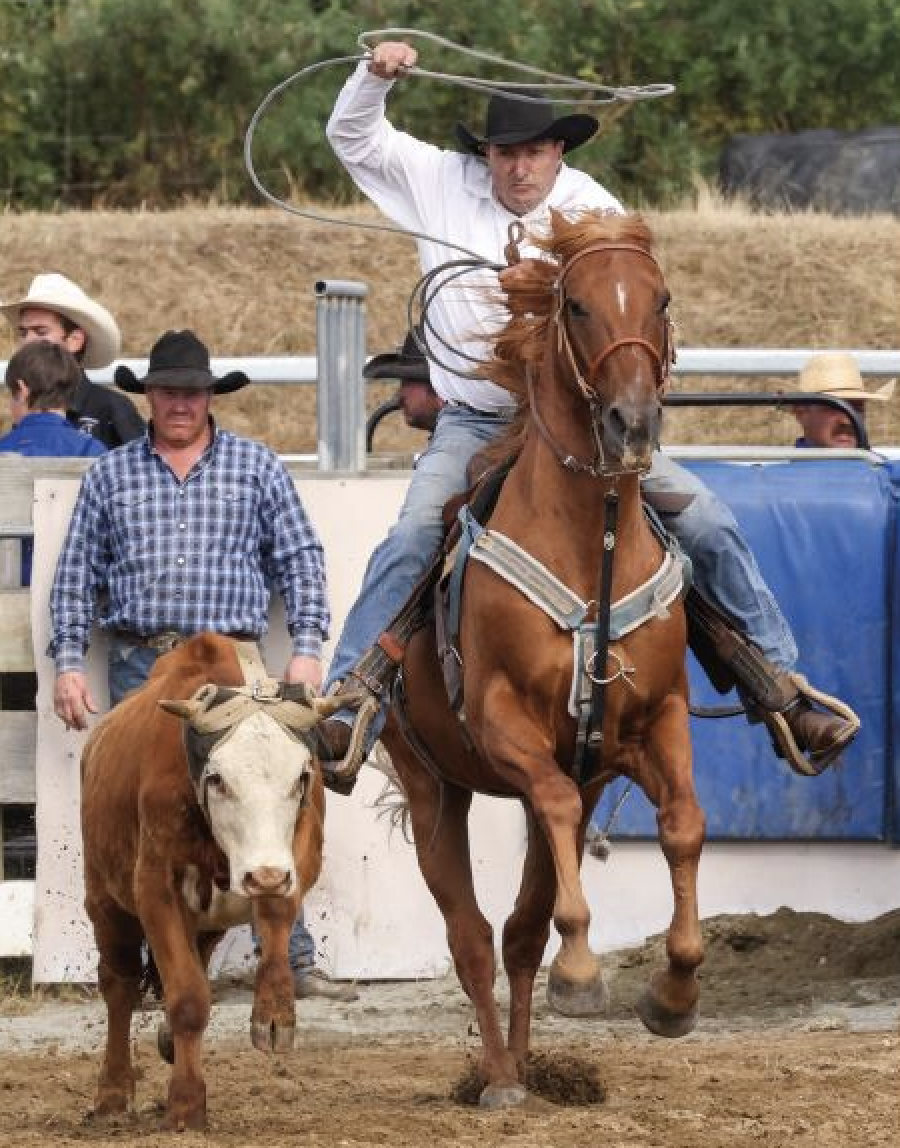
x,y
525,937
439,816
669,1005
575,985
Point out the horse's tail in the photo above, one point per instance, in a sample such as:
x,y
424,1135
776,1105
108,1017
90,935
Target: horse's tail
x,y
392,801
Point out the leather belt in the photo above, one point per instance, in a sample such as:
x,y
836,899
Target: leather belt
x,y
503,413
167,640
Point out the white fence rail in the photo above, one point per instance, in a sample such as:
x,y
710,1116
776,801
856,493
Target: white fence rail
x,y
294,369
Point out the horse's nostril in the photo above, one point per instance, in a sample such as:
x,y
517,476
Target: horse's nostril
x,y
615,425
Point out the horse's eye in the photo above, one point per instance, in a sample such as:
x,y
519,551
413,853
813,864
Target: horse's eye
x,y
576,310
216,782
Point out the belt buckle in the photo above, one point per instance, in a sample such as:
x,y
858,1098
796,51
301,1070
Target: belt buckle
x,y
165,642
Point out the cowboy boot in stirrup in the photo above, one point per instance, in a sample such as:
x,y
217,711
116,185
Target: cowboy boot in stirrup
x,y
809,728
344,746
809,739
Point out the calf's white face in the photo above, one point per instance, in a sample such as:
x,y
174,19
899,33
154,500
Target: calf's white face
x,y
252,786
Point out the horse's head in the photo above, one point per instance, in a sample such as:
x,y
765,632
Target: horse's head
x,y
613,333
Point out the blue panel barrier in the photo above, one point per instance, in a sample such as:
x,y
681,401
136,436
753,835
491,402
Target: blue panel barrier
x,y
824,534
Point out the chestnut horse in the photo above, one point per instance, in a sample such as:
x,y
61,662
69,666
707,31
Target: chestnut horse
x,y
587,349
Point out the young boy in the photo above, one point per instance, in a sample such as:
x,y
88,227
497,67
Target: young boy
x,y
42,378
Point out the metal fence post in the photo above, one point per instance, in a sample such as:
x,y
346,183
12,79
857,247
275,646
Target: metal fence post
x,y
341,352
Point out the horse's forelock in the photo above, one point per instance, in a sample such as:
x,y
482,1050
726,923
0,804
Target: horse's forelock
x,y
530,298
570,234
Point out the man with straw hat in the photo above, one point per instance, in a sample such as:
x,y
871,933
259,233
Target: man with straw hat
x,y
835,374
56,310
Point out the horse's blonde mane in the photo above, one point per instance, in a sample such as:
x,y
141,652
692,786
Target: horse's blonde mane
x,y
530,298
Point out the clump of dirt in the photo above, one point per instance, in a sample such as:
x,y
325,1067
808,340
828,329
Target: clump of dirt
x,y
560,1078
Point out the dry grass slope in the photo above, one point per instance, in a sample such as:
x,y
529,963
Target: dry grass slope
x,y
243,278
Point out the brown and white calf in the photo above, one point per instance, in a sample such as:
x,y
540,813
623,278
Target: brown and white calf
x,y
202,808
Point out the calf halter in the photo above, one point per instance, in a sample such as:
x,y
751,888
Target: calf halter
x,y
587,376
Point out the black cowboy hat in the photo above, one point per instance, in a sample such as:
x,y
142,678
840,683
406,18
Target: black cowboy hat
x,y
511,121
179,359
406,364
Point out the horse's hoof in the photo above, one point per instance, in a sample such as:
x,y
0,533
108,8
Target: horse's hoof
x,y
165,1043
570,999
272,1037
496,1096
662,1021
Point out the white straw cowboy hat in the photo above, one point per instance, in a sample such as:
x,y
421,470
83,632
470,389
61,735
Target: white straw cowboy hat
x,y
836,374
54,292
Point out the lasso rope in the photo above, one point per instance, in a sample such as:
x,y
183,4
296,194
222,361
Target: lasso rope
x,y
549,80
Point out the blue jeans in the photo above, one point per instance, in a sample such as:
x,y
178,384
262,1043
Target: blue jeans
x,y
724,568
128,669
403,557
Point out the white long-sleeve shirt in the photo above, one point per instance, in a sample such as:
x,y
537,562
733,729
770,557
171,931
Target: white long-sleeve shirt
x,y
448,195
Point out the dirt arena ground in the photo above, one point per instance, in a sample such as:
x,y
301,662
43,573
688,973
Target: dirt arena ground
x,y
798,1041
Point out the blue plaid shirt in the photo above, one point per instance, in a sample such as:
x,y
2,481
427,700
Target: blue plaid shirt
x,y
159,553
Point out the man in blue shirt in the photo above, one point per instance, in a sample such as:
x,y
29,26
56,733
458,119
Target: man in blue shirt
x,y
181,531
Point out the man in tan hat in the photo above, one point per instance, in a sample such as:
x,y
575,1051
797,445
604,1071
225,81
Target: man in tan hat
x,y
835,374
58,311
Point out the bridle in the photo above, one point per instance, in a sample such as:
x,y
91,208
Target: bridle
x,y
587,377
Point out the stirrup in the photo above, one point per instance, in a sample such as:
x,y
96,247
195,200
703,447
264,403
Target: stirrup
x,y
785,742
344,772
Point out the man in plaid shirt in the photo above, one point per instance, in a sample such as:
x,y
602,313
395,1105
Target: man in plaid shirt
x,y
180,531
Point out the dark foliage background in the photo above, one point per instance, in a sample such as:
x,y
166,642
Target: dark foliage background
x,y
129,102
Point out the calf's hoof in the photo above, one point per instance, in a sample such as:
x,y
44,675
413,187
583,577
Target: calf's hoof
x,y
193,1120
496,1096
663,1021
272,1037
568,998
111,1107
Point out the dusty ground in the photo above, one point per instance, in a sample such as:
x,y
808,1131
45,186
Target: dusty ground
x,y
798,1041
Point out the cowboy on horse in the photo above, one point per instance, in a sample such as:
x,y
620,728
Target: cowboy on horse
x,y
515,173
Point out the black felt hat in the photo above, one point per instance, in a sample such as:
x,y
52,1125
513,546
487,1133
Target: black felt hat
x,y
178,359
407,363
511,121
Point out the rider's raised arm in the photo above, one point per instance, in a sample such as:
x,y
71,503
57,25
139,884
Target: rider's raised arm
x,y
402,175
